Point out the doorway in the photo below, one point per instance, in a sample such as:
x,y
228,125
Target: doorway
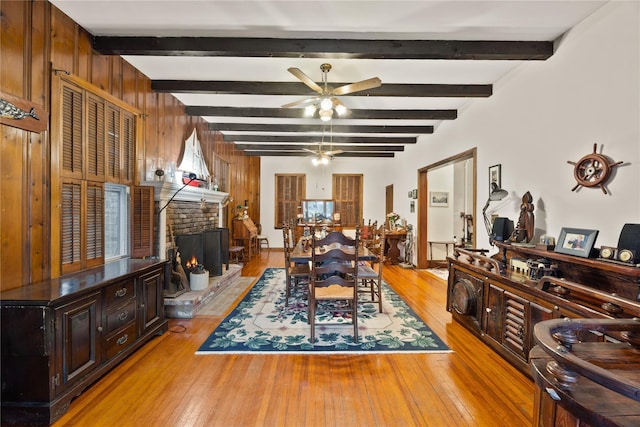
x,y
447,198
388,200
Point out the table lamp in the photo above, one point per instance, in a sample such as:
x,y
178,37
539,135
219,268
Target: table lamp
x,y
495,195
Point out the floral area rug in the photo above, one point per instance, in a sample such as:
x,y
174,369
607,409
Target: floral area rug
x,y
261,323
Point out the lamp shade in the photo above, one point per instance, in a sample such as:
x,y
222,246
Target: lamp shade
x,y
325,115
326,104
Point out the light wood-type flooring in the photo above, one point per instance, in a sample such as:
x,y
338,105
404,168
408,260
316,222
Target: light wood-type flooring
x,y
166,384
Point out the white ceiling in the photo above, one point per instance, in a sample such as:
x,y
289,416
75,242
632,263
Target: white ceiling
x,y
328,19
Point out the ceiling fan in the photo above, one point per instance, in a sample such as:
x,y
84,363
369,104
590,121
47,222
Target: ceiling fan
x,y
323,157
327,102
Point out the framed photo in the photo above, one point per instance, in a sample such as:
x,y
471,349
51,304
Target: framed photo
x,y
414,193
439,198
495,176
576,241
412,206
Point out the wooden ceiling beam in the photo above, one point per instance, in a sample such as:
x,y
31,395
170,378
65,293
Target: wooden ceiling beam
x,y
323,48
317,138
264,127
330,147
296,88
298,113
305,154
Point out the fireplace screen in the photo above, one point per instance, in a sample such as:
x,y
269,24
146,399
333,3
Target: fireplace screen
x,y
209,249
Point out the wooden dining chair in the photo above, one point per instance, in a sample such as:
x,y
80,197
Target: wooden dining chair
x,y
370,275
368,232
334,278
293,271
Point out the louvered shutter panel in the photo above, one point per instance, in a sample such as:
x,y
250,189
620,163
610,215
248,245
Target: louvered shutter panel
x,y
142,216
71,132
95,224
347,192
290,190
95,138
71,233
128,147
113,144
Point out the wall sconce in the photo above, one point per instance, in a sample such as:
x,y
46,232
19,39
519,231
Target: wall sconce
x,y
495,195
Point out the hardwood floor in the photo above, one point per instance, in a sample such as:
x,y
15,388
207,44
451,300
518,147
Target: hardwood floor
x,y
166,384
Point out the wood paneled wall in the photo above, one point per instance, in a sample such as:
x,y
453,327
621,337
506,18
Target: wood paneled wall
x,y
36,40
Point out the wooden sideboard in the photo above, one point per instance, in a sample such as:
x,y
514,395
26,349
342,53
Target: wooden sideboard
x,y
61,335
501,306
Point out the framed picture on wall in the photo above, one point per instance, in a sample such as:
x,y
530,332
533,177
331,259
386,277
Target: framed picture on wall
x,y
495,177
439,199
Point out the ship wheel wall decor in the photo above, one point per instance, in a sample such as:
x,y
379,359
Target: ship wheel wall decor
x,y
592,170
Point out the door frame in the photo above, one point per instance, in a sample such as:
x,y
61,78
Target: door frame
x,y
423,202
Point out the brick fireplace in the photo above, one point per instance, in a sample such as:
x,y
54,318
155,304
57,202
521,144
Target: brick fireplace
x,y
194,217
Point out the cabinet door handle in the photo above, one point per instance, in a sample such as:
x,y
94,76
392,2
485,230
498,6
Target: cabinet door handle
x,y
121,292
123,316
123,339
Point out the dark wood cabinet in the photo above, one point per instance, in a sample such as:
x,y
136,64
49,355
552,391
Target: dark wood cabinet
x,y
60,335
502,306
77,328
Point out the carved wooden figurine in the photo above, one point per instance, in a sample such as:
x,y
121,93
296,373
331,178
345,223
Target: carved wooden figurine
x,y
525,227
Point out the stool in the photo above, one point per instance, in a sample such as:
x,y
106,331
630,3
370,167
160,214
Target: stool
x,y
236,254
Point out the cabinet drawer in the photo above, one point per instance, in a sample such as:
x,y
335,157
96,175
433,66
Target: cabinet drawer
x,y
121,340
121,315
118,292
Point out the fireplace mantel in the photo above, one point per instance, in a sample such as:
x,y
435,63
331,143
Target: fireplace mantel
x,y
163,193
164,190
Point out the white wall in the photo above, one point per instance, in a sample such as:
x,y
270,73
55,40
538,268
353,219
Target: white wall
x,y
540,116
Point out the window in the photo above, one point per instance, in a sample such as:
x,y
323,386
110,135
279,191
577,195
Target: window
x,y
347,193
221,173
94,135
290,190
116,221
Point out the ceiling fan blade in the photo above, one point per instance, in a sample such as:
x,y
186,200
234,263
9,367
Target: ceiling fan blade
x,y
302,103
333,153
312,151
358,86
305,79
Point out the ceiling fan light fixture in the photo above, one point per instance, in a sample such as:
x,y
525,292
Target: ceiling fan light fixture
x,y
320,160
325,115
326,104
309,110
341,109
